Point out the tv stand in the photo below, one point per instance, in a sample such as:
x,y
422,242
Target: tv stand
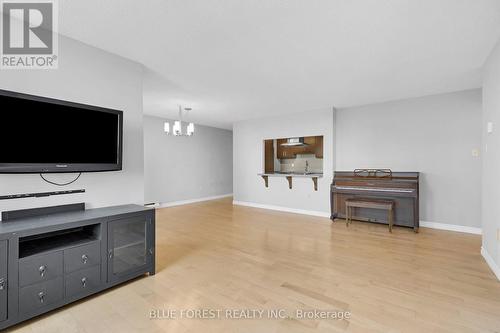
x,y
53,256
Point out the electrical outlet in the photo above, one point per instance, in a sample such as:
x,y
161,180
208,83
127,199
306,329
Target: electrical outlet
x,y
489,127
498,234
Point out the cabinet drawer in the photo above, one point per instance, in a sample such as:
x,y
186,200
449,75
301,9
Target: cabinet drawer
x,y
83,281
40,295
82,257
40,268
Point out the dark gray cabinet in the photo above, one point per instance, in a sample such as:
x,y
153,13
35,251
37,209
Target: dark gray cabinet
x,y
56,259
40,296
3,280
82,257
40,268
83,282
130,247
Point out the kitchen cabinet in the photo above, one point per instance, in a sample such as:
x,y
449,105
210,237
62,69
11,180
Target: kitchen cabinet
x,y
310,140
318,147
269,156
313,145
282,152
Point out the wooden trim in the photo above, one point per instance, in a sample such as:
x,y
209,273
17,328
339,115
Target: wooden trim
x,y
315,181
268,156
266,180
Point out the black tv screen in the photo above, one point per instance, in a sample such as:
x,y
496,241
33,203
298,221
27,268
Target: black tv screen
x,y
42,135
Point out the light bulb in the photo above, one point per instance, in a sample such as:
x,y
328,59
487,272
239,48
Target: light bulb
x,y
177,128
190,129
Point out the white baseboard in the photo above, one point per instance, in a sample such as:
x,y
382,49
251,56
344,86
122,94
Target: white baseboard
x,y
489,260
425,224
190,201
451,227
282,209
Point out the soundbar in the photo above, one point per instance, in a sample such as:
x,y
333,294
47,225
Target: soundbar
x,y
31,212
39,194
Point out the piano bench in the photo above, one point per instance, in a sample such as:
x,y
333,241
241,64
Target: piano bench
x,y
369,203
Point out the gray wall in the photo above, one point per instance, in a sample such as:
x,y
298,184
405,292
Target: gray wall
x,y
90,76
434,135
185,168
249,161
491,159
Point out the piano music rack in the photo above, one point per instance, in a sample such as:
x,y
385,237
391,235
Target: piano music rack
x,y
379,173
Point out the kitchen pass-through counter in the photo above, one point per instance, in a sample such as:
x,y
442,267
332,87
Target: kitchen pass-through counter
x,y
290,175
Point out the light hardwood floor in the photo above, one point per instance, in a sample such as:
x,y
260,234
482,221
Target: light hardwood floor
x,y
214,255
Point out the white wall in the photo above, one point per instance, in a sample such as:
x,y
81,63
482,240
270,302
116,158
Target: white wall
x,y
248,153
491,157
185,168
434,135
90,76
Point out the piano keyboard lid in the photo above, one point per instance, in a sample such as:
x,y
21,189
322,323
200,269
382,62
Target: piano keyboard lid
x,y
374,189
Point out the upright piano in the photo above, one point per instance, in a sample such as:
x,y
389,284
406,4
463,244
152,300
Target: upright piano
x,y
401,187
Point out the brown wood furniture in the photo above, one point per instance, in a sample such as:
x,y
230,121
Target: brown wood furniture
x,y
269,156
313,145
387,205
401,187
266,180
315,182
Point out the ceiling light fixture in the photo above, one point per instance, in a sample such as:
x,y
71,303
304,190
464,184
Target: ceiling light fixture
x,y
177,129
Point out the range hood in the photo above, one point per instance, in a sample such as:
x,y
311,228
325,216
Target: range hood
x,y
294,142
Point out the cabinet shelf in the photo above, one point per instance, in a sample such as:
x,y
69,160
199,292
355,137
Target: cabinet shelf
x,y
51,241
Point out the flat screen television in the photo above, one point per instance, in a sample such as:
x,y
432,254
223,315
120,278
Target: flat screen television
x,y
44,135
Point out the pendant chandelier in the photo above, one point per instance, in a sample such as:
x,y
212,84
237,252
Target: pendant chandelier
x,y
180,127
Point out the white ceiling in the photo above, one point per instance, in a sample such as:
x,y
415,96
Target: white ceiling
x,y
238,59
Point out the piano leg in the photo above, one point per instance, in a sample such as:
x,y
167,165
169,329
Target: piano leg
x,y
416,217
332,215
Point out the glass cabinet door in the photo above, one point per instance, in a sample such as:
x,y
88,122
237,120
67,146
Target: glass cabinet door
x,y
128,246
3,280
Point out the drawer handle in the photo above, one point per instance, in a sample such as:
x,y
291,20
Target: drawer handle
x,y
85,258
2,284
42,270
41,296
84,282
